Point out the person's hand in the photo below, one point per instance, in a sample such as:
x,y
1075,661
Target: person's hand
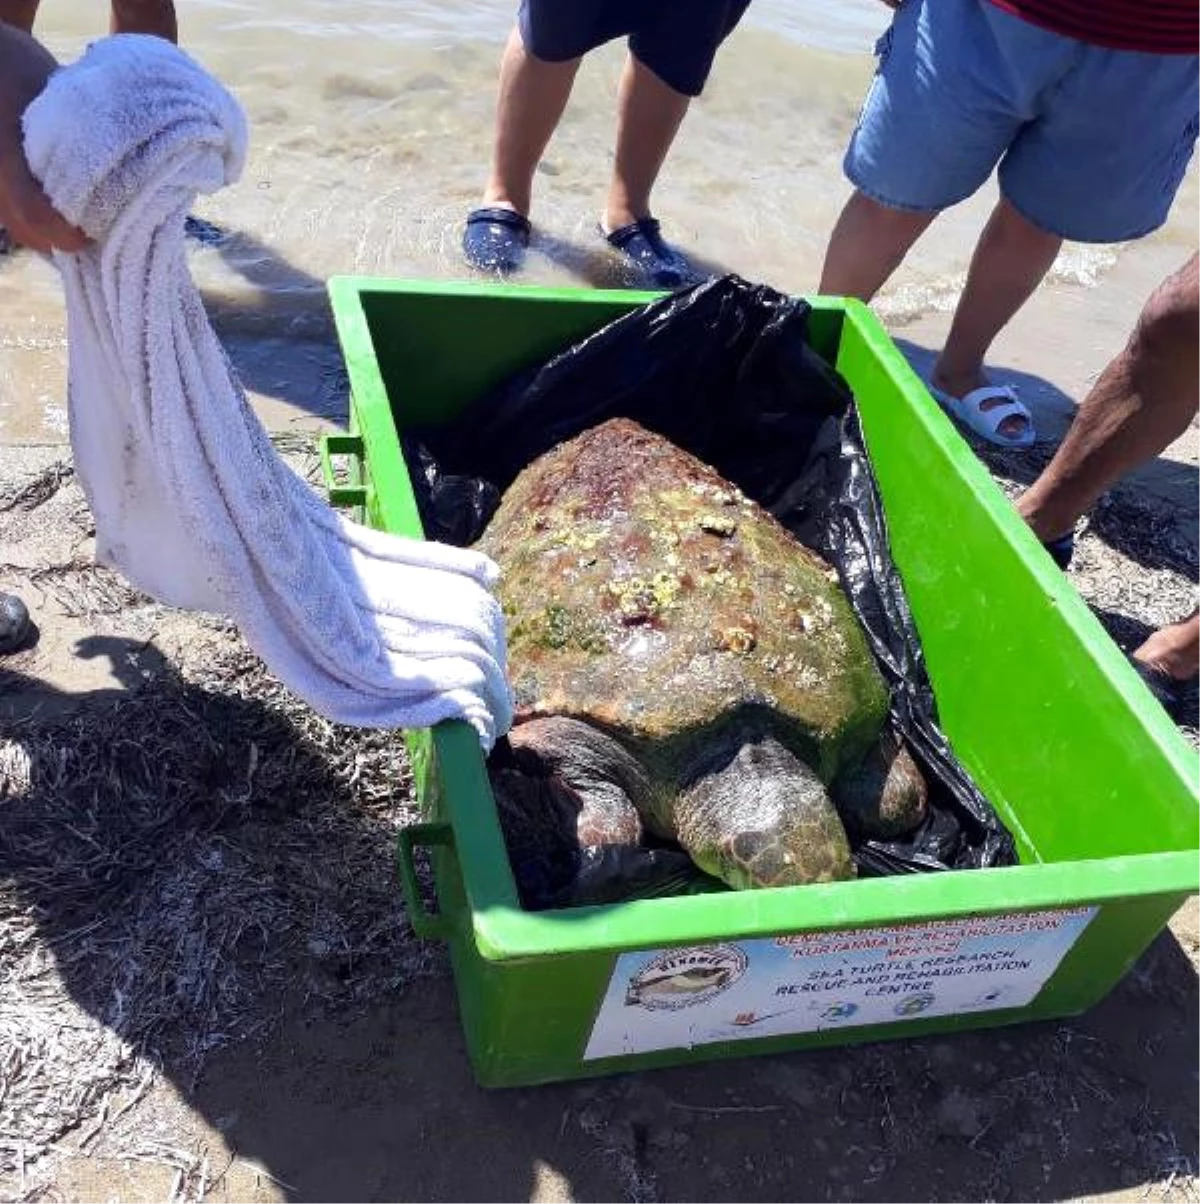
x,y
29,218
25,212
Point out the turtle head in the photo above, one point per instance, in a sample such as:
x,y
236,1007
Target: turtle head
x,y
756,815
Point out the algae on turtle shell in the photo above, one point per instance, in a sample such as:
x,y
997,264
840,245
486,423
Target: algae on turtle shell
x,y
659,618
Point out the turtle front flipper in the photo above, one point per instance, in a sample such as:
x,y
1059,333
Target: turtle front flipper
x,y
758,816
608,782
885,796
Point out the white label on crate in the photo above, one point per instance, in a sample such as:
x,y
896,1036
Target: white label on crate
x,y
677,998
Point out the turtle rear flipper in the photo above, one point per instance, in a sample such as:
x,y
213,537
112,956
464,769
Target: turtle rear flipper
x,y
761,817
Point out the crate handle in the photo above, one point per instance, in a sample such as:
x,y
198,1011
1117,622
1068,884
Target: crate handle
x,y
427,924
341,445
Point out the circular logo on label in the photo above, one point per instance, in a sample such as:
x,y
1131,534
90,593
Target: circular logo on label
x,y
681,978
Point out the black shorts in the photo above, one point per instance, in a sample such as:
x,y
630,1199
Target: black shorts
x,y
676,39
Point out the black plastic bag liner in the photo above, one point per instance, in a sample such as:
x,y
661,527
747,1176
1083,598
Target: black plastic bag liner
x,y
724,370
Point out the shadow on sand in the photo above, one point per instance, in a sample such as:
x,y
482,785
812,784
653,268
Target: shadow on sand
x,y
210,868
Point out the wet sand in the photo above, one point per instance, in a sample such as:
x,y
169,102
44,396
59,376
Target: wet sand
x,y
365,157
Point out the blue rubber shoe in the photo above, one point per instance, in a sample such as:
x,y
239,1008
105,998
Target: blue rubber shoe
x,y
15,624
495,239
202,231
641,243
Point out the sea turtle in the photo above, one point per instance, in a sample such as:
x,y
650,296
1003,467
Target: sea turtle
x,y
680,661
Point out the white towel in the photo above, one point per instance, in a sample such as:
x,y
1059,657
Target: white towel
x,y
191,502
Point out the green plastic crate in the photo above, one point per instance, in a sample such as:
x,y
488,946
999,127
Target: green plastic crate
x,y
1085,768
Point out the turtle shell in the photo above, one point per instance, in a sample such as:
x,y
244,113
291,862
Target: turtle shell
x,y
646,595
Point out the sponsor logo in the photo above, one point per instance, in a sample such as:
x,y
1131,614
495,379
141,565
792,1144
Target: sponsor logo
x,y
682,978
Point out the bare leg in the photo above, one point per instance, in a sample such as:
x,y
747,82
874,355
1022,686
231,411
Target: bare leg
x,y
20,13
533,95
648,118
1010,261
1143,400
145,16
867,245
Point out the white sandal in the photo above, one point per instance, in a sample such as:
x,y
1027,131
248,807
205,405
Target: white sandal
x,y
986,423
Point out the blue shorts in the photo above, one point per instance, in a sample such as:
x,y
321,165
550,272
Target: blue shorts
x,y
1092,144
676,39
